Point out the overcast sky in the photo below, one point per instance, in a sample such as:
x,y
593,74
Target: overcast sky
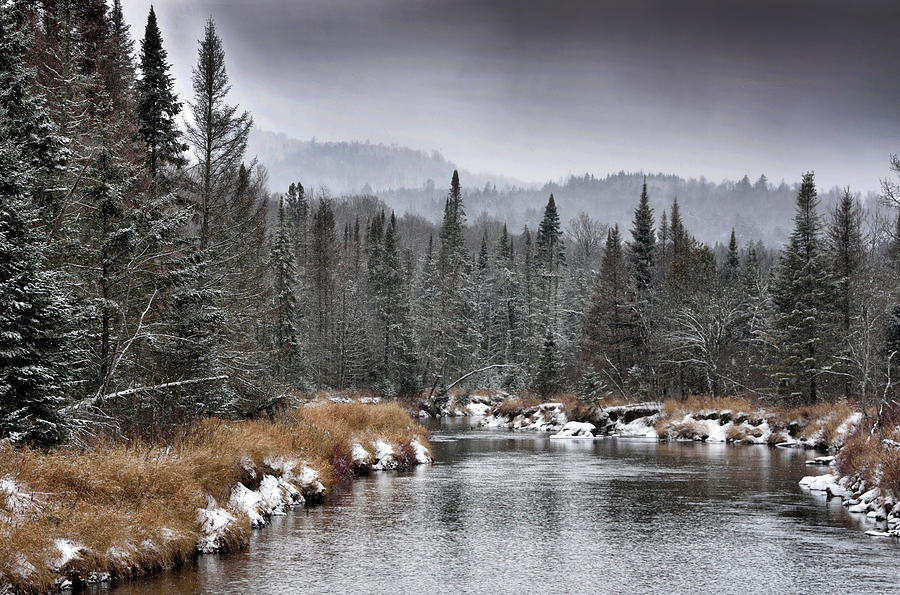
x,y
541,88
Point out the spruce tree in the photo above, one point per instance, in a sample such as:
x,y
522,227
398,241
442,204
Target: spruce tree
x,y
803,301
547,380
642,247
845,249
33,347
157,104
607,333
217,133
731,270
287,345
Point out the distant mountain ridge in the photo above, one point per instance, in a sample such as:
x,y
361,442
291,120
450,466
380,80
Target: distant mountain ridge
x,y
416,182
355,167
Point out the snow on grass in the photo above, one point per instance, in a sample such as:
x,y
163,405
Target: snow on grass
x,y
641,427
361,457
385,456
18,503
423,457
575,429
214,523
68,551
478,409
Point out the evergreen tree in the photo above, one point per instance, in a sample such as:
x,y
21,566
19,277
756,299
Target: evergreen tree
x,y
802,296
642,247
157,105
547,379
732,261
550,257
217,133
607,332
32,312
287,345
455,339
845,248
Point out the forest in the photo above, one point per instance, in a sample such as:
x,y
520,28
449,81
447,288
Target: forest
x,y
150,276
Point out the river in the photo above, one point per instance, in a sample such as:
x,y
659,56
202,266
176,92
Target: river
x,y
503,512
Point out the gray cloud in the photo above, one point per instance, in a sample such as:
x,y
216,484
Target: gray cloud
x,y
538,89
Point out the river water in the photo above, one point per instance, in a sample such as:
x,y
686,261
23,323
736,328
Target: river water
x,y
503,512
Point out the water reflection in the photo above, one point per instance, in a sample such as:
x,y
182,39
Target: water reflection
x,y
511,512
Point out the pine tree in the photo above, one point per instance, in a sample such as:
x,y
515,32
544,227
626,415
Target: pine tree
x,y
32,311
217,133
287,345
607,333
550,257
802,295
547,379
456,341
157,105
120,77
845,249
323,266
731,271
642,247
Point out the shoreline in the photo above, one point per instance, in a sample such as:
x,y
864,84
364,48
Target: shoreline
x,y
69,519
858,474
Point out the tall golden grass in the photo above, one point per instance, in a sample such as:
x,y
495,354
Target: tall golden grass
x,y
132,506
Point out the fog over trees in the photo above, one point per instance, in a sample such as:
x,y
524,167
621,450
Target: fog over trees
x,y
152,272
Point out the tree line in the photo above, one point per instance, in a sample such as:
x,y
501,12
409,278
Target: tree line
x,y
149,277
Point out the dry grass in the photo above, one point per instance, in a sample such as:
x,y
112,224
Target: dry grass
x,y
133,506
513,406
864,455
696,403
819,421
736,434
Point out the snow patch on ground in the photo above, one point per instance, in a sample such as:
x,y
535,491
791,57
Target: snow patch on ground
x,y
385,456
214,522
575,429
68,551
641,427
17,503
423,457
478,409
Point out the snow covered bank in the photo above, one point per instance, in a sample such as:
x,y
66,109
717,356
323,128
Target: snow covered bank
x,y
112,512
705,420
878,505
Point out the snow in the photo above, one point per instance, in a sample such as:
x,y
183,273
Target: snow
x,y
423,457
361,457
846,428
641,427
574,429
247,501
18,503
385,457
821,461
821,483
478,409
871,495
68,551
214,522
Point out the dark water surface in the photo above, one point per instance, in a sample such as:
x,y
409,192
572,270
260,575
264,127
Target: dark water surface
x,y
504,512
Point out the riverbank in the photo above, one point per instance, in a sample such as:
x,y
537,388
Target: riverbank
x,y
119,510
864,472
823,427
865,475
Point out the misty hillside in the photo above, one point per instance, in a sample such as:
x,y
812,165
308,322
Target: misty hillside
x,y
416,182
349,167
757,210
